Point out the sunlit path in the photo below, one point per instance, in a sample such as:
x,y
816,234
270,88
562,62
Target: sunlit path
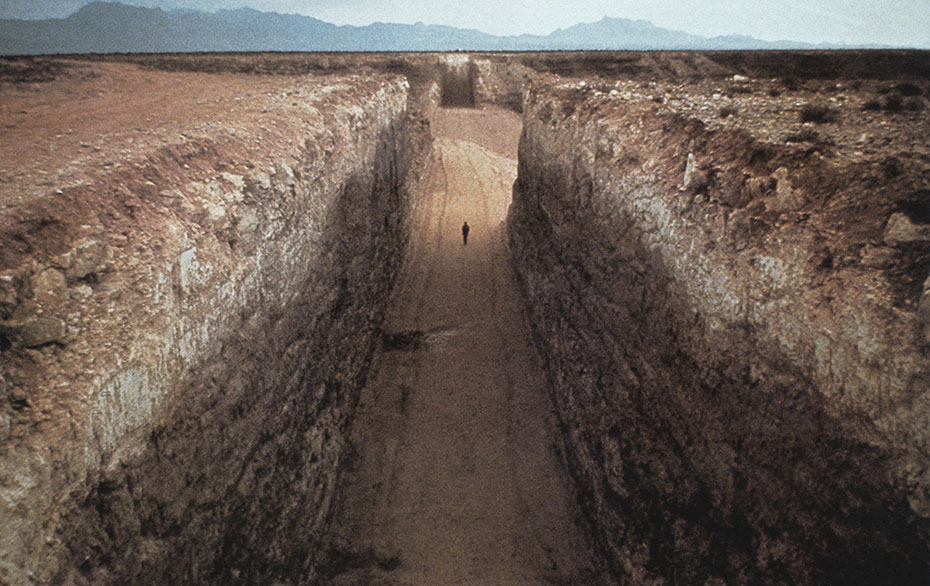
x,y
457,479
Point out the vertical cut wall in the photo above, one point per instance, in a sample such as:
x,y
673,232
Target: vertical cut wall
x,y
740,407
186,423
457,80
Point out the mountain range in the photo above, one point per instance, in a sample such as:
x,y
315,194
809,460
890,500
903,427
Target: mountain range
x,y
112,27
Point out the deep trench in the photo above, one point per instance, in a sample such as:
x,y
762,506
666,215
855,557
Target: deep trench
x,y
635,458
458,83
456,475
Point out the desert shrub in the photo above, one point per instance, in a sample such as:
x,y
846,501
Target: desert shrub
x,y
774,92
915,104
817,114
728,111
873,105
30,70
908,89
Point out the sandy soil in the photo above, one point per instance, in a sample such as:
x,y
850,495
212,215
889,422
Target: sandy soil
x,y
458,478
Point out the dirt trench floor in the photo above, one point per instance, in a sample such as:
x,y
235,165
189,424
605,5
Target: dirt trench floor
x,y
456,477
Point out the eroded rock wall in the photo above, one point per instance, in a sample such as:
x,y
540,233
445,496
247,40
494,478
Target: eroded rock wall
x,y
457,80
741,376
185,337
499,81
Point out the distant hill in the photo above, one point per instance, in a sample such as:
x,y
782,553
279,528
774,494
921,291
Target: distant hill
x,y
110,27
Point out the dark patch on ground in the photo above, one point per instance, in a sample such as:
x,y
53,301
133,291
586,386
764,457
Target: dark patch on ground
x,y
917,208
405,391
340,560
30,70
38,70
408,340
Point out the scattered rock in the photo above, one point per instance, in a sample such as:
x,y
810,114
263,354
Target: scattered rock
x,y
34,332
172,195
786,198
89,256
184,269
9,296
237,180
900,229
48,285
694,178
259,181
147,190
213,216
247,221
760,186
81,292
877,256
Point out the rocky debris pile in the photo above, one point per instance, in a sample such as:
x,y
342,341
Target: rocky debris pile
x,y
33,323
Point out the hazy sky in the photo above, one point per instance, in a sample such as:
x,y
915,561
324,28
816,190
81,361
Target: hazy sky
x,y
892,22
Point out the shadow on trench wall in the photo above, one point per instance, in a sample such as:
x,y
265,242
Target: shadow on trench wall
x,y
696,464
235,485
458,82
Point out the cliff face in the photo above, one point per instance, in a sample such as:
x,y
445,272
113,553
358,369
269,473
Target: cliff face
x,y
735,337
185,332
499,81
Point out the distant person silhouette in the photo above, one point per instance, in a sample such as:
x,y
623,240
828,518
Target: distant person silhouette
x,y
465,229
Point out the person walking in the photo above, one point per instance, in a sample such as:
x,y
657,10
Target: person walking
x,y
465,229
